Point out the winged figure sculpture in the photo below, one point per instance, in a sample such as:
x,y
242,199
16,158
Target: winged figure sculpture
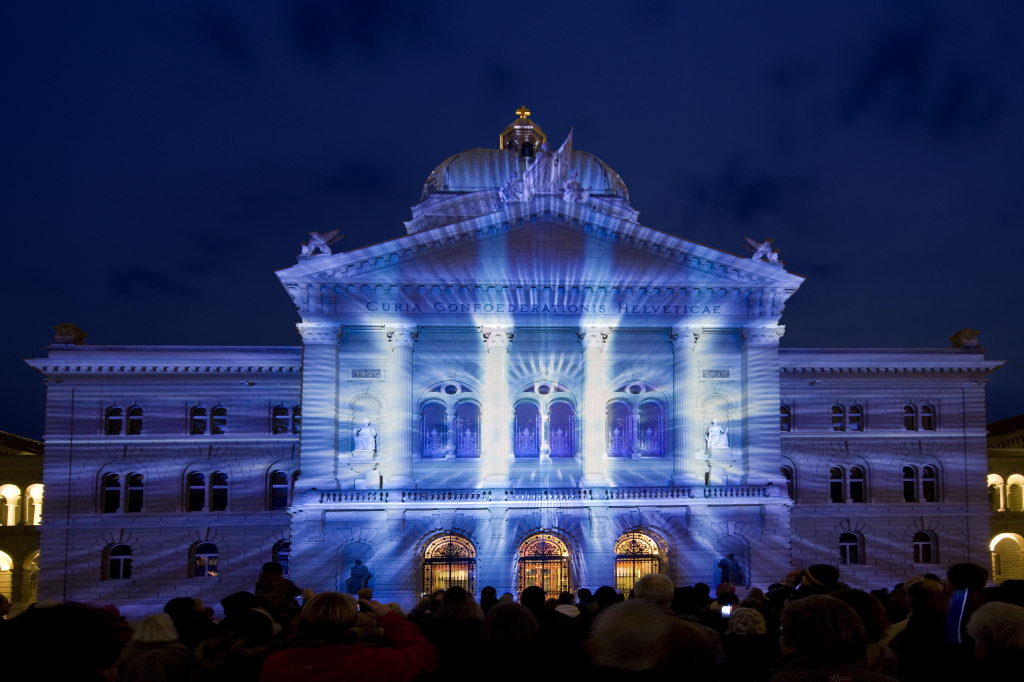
x,y
762,250
320,242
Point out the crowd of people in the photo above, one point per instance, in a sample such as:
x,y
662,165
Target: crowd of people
x,y
810,626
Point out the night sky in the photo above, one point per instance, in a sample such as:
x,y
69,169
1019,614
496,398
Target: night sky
x,y
160,160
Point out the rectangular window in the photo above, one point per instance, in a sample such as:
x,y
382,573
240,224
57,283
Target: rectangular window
x,y
836,492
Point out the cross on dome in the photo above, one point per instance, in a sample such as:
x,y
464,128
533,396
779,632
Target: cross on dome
x,y
523,112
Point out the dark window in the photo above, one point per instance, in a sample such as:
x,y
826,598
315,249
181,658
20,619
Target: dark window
x,y
857,484
218,491
219,421
280,420
838,418
787,473
196,492
849,548
854,418
910,418
199,419
135,491
282,554
433,419
924,548
115,421
784,418
134,421
119,562
927,418
562,429
909,484
527,430
929,485
204,560
279,489
836,485
467,430
296,420
111,493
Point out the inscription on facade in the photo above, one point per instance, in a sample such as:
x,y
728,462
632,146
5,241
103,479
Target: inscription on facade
x,y
715,374
366,374
566,308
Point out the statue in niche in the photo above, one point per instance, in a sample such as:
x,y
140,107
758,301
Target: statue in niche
x,y
716,436
358,578
573,191
514,190
320,242
732,570
365,437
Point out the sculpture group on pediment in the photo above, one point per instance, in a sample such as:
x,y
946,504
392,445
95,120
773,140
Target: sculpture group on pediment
x,y
515,190
320,242
572,190
762,250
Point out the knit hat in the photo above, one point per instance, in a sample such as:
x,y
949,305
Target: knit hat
x,y
822,575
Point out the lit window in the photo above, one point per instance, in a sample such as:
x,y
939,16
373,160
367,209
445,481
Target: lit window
x,y
909,484
636,555
854,418
856,483
119,562
204,560
218,491
927,418
544,561
219,421
784,418
787,473
282,554
111,493
135,491
135,421
115,421
34,497
10,496
837,485
449,561
849,548
196,492
910,418
838,418
280,489
200,416
924,548
929,485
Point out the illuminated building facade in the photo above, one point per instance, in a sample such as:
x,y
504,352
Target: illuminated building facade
x,y
528,388
21,509
1006,497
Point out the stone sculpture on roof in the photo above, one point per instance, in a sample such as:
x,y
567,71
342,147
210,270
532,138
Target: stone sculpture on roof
x,y
762,250
320,242
545,175
514,191
572,190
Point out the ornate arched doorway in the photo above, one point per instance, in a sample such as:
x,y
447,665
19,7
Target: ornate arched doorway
x,y
448,561
544,561
636,555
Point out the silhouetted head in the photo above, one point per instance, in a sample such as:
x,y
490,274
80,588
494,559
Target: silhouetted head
x,y
273,567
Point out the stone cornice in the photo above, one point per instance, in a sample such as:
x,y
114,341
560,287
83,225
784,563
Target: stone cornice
x,y
51,367
873,368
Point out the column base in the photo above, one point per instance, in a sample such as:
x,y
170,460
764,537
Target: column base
x,y
687,479
594,481
497,481
399,481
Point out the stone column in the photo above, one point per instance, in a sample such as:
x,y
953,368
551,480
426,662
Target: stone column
x,y
544,436
1002,496
685,470
593,340
497,416
403,411
318,442
452,442
762,442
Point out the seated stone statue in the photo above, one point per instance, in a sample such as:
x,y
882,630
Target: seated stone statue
x,y
358,578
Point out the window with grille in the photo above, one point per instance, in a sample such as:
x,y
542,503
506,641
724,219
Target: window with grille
x,y
544,561
636,555
449,561
204,560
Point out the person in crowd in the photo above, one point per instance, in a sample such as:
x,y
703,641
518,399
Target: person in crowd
x,y
965,584
488,599
585,601
276,593
154,654
511,636
817,579
1011,592
507,598
239,602
566,606
822,639
238,653
878,658
997,629
703,595
427,606
454,630
920,642
60,642
5,609
324,649
191,625
639,639
749,650
604,597
396,607
711,616
557,633
119,625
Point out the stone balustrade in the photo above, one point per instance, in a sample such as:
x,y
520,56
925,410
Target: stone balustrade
x,y
543,494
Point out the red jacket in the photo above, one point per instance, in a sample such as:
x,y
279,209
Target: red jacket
x,y
409,656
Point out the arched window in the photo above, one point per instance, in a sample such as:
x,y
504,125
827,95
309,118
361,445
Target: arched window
x,y
196,492
282,554
1015,493
280,420
562,429
924,548
200,417
204,560
34,495
134,421
544,561
218,491
6,574
449,561
11,496
995,492
636,555
527,430
119,562
111,493
849,548
837,485
280,490
856,483
467,430
910,418
619,432
927,418
784,418
31,567
929,485
909,484
219,421
115,421
651,432
838,418
854,418
787,473
136,488
432,430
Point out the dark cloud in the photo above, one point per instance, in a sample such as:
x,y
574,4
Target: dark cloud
x,y
741,193
134,281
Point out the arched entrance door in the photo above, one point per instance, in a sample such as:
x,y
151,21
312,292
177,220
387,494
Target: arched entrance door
x,y
449,561
544,561
636,555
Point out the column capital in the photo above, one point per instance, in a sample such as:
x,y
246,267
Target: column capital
x,y
319,333
593,337
401,336
684,338
497,337
761,336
